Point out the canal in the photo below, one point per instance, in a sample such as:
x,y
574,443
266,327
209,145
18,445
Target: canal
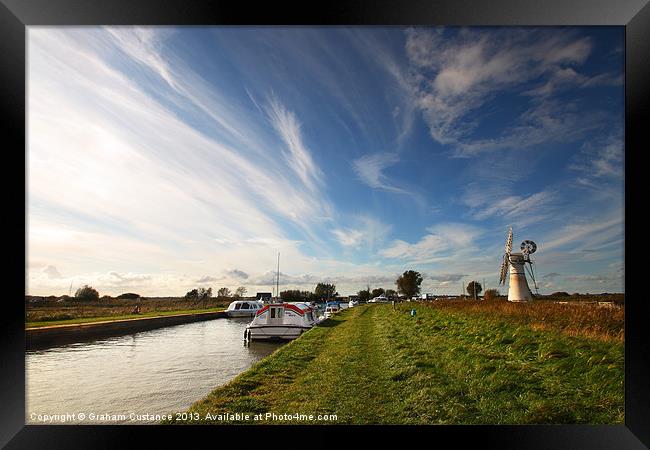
x,y
161,371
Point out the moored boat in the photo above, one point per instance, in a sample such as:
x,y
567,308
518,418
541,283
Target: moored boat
x,y
244,308
281,321
330,310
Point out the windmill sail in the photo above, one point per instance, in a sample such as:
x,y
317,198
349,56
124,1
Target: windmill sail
x,y
506,258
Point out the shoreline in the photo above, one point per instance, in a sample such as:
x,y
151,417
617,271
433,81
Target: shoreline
x,y
53,335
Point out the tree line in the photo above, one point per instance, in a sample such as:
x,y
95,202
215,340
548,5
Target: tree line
x,y
407,284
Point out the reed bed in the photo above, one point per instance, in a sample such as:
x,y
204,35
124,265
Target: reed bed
x,y
572,318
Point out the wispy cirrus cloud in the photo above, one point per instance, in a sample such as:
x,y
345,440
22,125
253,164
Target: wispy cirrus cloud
x,y
370,169
601,159
114,138
297,155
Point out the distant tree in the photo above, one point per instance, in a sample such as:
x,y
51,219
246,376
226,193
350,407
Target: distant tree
x,y
295,295
377,292
474,289
324,291
128,296
560,294
409,283
390,293
240,292
491,294
364,296
86,294
192,295
224,292
204,294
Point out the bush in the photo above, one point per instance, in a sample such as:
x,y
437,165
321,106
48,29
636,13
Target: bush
x,y
491,294
128,296
560,294
86,294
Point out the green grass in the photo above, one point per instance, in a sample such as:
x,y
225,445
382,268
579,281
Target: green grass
x,y
80,320
373,365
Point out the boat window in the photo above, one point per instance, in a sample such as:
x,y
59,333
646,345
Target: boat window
x,y
245,306
238,305
272,313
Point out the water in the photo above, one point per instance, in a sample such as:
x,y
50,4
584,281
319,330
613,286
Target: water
x,y
160,371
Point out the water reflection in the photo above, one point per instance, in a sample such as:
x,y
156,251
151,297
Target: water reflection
x,y
153,372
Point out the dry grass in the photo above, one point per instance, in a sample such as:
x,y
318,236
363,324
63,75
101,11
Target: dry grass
x,y
112,308
573,318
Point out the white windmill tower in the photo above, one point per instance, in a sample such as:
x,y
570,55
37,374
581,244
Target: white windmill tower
x,y
518,290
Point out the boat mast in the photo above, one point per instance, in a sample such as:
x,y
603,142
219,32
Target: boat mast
x,y
277,283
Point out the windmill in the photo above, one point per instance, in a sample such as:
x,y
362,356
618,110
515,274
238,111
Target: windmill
x,y
518,290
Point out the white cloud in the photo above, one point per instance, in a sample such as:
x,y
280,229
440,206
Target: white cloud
x,y
441,239
370,169
366,231
117,179
51,272
298,156
457,74
602,160
516,206
207,279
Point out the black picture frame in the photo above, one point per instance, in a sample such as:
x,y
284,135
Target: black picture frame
x,y
634,15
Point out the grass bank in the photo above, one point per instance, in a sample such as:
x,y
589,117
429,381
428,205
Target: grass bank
x,y
373,365
81,320
573,319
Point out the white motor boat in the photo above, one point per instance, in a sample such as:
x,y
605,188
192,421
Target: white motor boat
x,y
244,308
281,321
379,299
331,310
353,303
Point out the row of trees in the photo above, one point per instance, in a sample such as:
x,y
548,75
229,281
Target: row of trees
x,y
408,284
224,292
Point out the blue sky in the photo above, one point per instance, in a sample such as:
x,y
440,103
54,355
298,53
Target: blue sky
x,y
161,159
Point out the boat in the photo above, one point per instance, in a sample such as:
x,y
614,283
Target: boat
x,y
281,321
353,303
379,299
331,309
244,308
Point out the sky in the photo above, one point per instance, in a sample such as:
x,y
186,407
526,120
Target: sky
x,y
160,159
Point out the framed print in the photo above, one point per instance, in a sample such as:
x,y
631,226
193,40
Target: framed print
x,y
355,217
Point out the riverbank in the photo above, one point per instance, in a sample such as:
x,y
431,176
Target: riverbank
x,y
46,311
84,320
375,365
51,335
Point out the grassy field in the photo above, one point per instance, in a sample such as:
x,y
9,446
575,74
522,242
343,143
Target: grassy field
x,y
448,365
575,319
52,313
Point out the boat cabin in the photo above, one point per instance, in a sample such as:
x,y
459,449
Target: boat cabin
x,y
281,321
243,308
